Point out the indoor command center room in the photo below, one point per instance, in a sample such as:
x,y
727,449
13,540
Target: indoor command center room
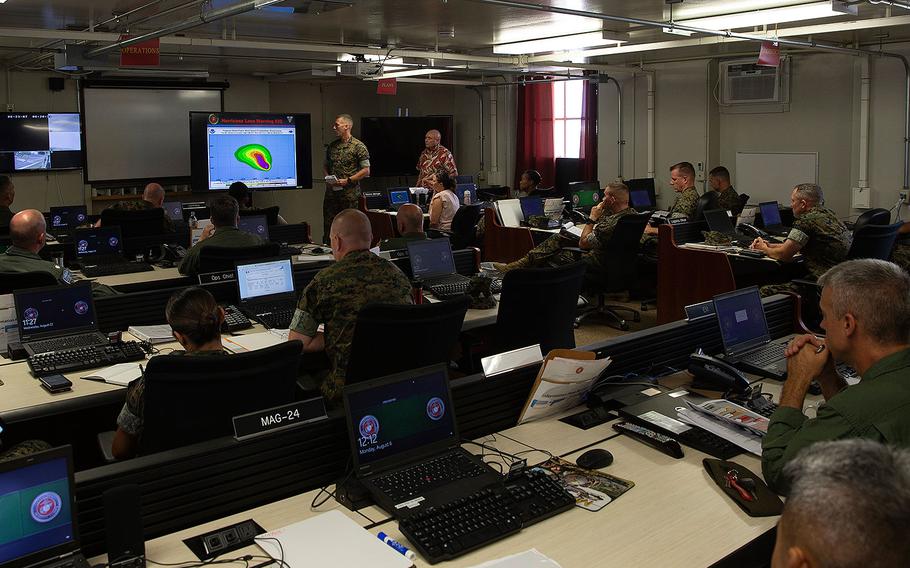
x,y
473,283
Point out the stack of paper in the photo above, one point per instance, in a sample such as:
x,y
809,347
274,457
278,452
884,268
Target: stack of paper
x,y
729,421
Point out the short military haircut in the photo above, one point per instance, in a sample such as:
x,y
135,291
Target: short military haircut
x,y
194,313
223,210
720,172
619,189
410,218
685,168
353,226
25,226
347,118
534,176
876,292
849,504
5,185
811,192
239,191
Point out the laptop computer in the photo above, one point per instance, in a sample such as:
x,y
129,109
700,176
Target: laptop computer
x,y
38,508
770,216
509,211
433,264
531,206
266,291
463,189
584,194
719,221
174,210
57,317
99,252
255,225
642,195
398,196
744,332
405,442
63,220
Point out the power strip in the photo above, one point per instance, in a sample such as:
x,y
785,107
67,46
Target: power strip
x,y
223,540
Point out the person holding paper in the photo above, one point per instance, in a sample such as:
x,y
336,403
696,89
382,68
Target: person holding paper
x,y
865,307
595,235
195,318
347,161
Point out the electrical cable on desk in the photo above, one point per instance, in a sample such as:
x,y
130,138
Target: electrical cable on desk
x,y
331,494
502,454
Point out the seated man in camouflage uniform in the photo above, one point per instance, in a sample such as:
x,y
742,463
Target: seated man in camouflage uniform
x,y
817,233
222,231
682,180
152,198
594,236
727,198
28,236
338,292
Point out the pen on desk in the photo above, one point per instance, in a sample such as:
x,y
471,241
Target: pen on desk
x,y
408,553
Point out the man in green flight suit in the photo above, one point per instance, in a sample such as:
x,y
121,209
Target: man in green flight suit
x,y
222,232
348,160
337,294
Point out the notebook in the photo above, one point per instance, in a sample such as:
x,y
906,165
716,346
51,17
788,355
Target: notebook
x,y
744,332
509,212
38,508
57,317
770,216
101,245
398,424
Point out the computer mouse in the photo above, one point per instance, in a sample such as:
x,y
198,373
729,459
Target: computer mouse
x,y
594,459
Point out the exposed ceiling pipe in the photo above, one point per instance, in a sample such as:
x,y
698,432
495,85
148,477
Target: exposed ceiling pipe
x,y
729,34
202,18
895,3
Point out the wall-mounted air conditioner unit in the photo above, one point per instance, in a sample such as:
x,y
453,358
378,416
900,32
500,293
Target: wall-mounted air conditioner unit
x,y
745,82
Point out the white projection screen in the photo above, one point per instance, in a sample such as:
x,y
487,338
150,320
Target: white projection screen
x,y
141,133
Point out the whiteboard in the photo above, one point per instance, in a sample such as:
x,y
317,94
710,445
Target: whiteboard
x,y
136,133
771,176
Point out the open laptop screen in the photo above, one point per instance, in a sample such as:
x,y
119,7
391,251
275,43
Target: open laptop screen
x,y
431,257
55,310
99,241
741,318
466,188
719,220
640,199
399,197
255,225
174,210
265,278
402,413
36,505
770,213
68,217
531,206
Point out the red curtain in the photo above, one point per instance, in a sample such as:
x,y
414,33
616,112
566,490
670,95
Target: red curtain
x,y
589,132
534,146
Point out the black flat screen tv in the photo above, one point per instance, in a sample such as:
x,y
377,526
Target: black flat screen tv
x,y
264,151
40,141
395,142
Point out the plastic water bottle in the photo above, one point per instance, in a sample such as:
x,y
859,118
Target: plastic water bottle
x,y
194,223
467,198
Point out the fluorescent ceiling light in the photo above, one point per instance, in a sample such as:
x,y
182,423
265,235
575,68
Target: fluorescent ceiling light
x,y
414,73
755,18
560,43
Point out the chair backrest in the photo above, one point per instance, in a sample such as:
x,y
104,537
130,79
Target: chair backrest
x,y
622,250
271,214
193,398
214,258
464,226
136,227
872,217
382,226
538,305
12,281
706,202
873,241
297,233
504,244
743,201
393,338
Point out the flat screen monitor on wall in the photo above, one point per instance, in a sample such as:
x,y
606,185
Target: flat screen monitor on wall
x,y
395,142
264,151
40,141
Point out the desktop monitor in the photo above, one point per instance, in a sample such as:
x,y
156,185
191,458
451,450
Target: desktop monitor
x,y
464,179
174,210
770,213
585,194
568,170
255,225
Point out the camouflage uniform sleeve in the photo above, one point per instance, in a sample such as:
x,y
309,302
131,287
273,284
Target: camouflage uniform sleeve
x,y
602,231
363,156
305,320
802,230
685,205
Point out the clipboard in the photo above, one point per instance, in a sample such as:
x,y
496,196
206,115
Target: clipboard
x,y
554,354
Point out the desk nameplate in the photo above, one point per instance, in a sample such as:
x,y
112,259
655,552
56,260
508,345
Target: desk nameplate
x,y
279,418
218,277
700,310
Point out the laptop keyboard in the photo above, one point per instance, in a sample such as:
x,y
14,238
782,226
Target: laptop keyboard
x,y
68,360
419,478
448,286
68,342
445,532
112,269
763,357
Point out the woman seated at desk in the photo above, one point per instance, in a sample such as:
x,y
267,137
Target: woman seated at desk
x,y
195,319
444,203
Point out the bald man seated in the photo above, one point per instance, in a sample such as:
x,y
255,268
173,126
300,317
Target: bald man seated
x,y
152,198
410,226
27,233
336,295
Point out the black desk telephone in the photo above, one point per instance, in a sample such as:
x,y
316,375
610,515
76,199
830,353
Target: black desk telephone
x,y
172,252
714,374
751,230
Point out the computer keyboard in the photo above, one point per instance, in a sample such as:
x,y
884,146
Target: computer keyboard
x,y
289,251
770,354
708,443
67,342
278,318
493,513
79,358
403,484
235,320
112,269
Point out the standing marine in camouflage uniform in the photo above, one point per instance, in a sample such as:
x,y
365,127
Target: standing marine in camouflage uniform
x,y
152,198
594,236
817,233
727,198
338,292
349,161
682,180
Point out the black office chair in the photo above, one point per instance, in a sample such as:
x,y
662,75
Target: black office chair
x,y
12,281
214,258
538,305
872,217
706,202
622,250
271,214
464,227
743,201
393,338
874,241
191,399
